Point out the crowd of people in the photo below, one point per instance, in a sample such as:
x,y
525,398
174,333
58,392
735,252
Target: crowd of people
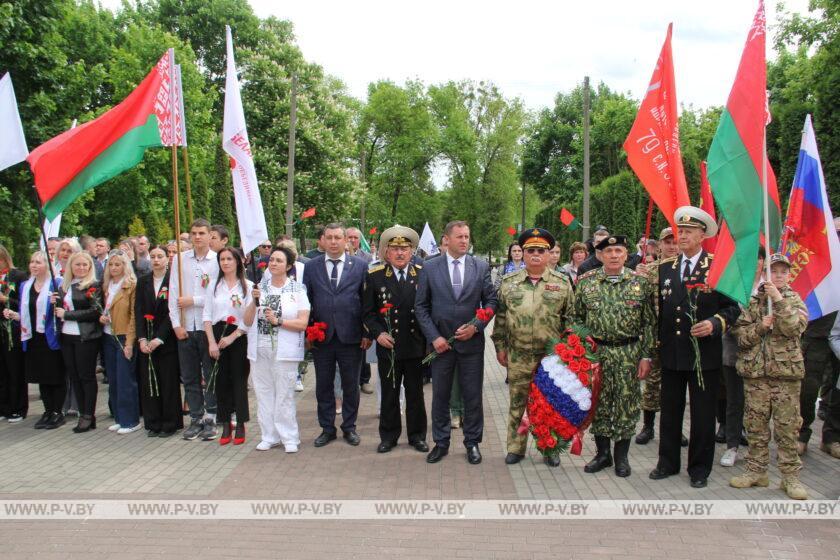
x,y
152,321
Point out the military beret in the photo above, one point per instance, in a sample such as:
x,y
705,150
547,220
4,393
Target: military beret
x,y
611,241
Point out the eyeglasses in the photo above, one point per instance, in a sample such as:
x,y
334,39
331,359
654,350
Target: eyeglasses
x,y
265,246
538,250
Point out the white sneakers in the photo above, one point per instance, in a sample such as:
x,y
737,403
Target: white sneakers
x,y
729,457
123,431
298,386
291,448
265,446
114,427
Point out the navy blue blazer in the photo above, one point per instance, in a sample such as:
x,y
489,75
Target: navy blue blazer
x,y
340,309
440,313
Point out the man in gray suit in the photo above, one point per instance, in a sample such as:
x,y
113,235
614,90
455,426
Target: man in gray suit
x,y
450,291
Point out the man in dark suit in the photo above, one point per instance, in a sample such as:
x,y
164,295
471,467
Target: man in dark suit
x,y
714,314
389,292
335,283
451,289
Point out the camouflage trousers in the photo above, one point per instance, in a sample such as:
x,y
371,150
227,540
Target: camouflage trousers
x,y
520,374
766,398
619,403
651,387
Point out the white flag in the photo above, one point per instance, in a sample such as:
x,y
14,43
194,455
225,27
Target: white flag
x,y
246,192
427,241
12,141
179,98
51,228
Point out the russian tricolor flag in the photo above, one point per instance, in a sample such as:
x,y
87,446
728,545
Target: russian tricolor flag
x,y
811,242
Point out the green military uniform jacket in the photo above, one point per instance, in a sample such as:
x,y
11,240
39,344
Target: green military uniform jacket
x,y
529,316
776,353
615,311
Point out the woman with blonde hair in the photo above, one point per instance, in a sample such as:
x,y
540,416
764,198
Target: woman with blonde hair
x,y
78,309
119,289
67,247
14,397
43,363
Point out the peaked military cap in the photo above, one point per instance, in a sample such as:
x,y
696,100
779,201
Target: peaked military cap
x,y
536,237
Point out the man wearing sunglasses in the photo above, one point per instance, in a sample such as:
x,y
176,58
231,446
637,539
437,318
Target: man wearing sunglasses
x,y
534,307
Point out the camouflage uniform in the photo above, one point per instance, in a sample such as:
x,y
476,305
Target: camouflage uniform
x,y
617,312
772,367
653,381
528,317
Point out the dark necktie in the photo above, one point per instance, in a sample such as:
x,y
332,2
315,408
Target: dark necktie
x,y
401,276
456,279
334,273
686,271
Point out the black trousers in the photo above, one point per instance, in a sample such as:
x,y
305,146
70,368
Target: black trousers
x,y
734,385
349,358
701,440
161,413
232,378
14,392
80,361
831,426
52,396
364,377
409,374
470,371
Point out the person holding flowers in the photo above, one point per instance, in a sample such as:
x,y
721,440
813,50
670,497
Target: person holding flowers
x,y
14,397
77,306
390,290
118,324
535,304
615,306
281,308
157,361
228,296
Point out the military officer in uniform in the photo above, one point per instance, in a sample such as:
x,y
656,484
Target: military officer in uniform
x,y
534,307
615,304
714,314
668,248
389,292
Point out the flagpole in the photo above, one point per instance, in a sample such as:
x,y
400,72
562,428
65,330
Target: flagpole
x,y
186,155
766,218
647,227
175,202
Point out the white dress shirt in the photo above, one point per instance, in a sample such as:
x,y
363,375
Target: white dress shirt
x,y
693,260
196,271
462,261
330,265
223,302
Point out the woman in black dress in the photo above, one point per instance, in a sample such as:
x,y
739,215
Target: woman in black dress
x,y
14,397
160,391
42,361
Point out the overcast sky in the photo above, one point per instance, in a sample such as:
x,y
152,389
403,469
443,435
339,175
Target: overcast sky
x,y
530,49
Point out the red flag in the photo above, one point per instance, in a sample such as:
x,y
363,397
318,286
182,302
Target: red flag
x,y
653,145
372,231
707,203
511,230
566,217
308,213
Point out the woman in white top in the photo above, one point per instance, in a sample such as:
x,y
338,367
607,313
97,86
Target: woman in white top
x,y
224,310
281,308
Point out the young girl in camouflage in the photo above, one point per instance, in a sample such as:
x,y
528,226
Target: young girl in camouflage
x,y
770,361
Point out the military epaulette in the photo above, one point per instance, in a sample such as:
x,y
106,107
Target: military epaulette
x,y
588,274
376,268
418,266
512,273
669,259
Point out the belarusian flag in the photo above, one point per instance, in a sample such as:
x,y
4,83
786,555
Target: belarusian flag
x,y
707,204
569,220
74,162
737,165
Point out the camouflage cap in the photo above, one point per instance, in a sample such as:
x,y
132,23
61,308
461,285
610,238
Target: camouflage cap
x,y
779,258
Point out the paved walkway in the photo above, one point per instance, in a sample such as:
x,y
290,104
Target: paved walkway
x,y
101,465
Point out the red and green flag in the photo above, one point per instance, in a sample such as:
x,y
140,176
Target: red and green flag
x,y
707,203
738,168
78,160
569,220
308,213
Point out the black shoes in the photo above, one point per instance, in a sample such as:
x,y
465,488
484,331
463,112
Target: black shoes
x,y
324,439
386,446
513,458
86,423
622,464
659,473
698,483
602,459
56,420
473,454
419,445
153,433
552,460
437,454
647,428
43,421
352,438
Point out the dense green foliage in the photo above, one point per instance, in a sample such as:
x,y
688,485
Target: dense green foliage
x,y
409,153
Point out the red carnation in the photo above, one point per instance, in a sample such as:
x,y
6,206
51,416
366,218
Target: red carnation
x,y
230,320
585,365
149,317
559,348
573,340
580,351
91,292
262,265
550,441
583,378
